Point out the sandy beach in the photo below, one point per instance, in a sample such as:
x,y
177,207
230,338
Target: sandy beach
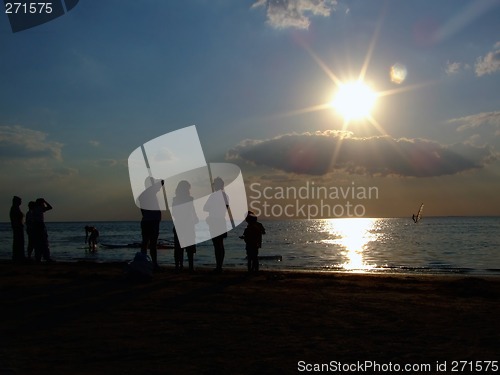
x,y
86,318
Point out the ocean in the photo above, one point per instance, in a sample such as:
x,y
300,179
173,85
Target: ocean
x,y
435,245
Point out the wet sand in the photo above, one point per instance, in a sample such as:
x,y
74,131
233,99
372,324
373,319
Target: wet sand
x,y
85,318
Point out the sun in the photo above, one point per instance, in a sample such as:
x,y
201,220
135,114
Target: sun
x,y
354,100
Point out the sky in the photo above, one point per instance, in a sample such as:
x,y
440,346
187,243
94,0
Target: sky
x,y
80,93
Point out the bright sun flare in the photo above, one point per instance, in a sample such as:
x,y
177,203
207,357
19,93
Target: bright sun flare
x,y
354,100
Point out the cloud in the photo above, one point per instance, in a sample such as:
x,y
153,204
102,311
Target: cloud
x,y
282,14
320,153
484,119
110,163
165,155
490,63
61,173
19,143
453,67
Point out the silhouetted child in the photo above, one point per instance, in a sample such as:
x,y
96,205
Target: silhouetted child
x,y
253,240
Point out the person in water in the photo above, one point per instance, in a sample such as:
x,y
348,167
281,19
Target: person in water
x,y
91,237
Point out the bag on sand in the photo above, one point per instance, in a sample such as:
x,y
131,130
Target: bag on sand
x,y
141,268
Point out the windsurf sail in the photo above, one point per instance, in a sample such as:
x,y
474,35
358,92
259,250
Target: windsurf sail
x,y
416,218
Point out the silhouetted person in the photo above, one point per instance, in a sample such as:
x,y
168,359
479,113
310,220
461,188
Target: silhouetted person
x,y
185,219
40,236
16,221
151,218
253,240
178,253
29,228
91,236
217,206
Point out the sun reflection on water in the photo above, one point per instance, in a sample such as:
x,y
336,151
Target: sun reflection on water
x,y
353,234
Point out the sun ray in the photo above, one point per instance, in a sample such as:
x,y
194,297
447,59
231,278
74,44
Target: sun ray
x,y
405,89
302,111
371,47
392,142
336,152
323,66
377,126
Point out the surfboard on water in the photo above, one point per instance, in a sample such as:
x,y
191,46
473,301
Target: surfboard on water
x,y
135,245
278,258
86,247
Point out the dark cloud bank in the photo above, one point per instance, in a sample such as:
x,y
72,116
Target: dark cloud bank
x,y
320,153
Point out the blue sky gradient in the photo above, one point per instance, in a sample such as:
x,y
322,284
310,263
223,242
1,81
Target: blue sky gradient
x,y
80,93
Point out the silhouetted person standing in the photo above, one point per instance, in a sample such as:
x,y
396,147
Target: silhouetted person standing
x,y
178,253
217,206
151,218
185,219
16,221
30,220
40,235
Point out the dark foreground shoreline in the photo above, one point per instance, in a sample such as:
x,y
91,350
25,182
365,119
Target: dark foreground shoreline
x,y
88,318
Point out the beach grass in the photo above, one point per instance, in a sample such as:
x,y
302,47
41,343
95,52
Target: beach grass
x,y
89,318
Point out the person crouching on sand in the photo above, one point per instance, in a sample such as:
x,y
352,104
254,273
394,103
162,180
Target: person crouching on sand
x,y
253,240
